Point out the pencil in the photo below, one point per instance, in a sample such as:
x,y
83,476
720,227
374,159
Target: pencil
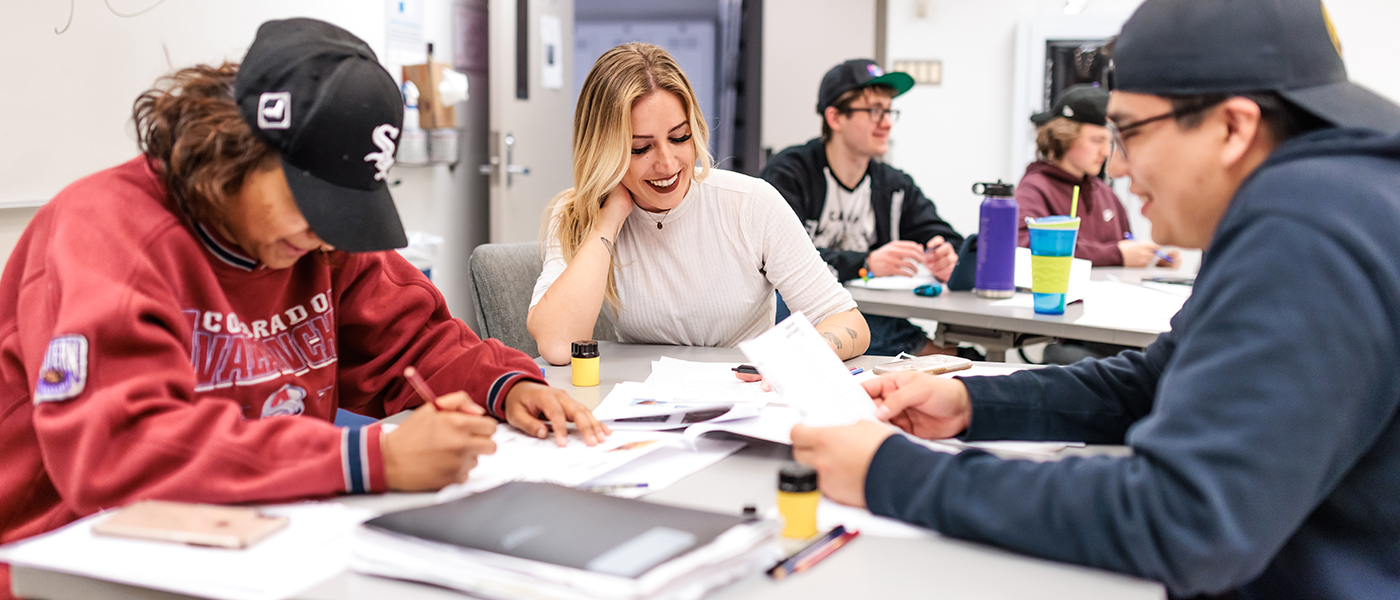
x,y
420,386
1159,253
612,487
825,551
784,568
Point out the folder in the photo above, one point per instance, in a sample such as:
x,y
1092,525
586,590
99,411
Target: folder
x,y
540,540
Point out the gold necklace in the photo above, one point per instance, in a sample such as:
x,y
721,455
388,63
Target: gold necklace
x,y
658,222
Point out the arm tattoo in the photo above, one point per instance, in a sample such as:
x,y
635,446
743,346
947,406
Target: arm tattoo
x,y
609,245
831,337
852,333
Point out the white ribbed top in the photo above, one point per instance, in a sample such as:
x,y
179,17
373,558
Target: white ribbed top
x,y
707,278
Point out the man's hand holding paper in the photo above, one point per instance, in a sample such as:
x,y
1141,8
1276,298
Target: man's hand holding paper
x,y
799,365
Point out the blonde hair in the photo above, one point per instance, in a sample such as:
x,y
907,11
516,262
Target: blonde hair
x,y
1055,138
603,139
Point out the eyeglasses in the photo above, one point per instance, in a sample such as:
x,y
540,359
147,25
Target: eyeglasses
x,y
877,114
1117,131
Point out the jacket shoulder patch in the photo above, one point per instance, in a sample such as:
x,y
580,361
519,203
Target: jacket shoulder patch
x,y
64,372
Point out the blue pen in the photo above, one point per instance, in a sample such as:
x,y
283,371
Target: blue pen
x,y
857,371
1159,253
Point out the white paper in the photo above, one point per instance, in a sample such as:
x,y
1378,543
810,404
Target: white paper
x,y
830,514
1079,272
1180,291
774,424
666,466
893,282
806,374
688,416
633,400
552,65
1127,306
314,547
675,370
520,457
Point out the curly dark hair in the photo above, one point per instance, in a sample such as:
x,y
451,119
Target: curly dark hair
x,y
191,131
1054,138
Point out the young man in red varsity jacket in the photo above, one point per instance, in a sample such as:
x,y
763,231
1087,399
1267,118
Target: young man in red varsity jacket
x,y
185,325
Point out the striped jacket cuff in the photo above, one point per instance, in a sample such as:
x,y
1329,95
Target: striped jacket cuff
x,y
496,397
362,460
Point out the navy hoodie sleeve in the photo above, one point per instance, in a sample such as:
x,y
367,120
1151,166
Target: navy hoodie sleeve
x,y
1248,435
1091,401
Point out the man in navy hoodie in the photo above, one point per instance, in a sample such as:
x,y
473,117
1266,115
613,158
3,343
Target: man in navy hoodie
x,y
1263,427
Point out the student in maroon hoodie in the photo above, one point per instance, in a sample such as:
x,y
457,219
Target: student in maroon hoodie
x,y
1071,145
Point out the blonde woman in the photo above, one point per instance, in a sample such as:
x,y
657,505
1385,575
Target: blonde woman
x,y
681,253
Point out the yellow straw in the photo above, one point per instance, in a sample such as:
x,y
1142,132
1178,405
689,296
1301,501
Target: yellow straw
x,y
1074,202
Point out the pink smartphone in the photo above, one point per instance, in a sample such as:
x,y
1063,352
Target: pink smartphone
x,y
194,524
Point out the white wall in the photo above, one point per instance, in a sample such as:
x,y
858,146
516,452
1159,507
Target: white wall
x,y
440,201
802,40
102,62
957,133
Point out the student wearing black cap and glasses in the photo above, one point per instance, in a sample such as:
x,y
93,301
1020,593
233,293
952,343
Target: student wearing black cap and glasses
x,y
862,213
1072,142
1261,467
184,326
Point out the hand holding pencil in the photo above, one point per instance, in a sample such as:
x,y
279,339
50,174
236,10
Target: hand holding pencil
x,y
439,443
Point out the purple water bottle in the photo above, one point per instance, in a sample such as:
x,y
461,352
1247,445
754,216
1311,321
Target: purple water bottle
x,y
996,240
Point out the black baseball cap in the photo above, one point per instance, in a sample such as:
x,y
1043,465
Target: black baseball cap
x,y
858,73
317,94
1085,103
1185,47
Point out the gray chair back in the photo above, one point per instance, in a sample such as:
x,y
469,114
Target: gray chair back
x,y
503,280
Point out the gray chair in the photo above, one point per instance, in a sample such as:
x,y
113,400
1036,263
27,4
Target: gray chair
x,y
503,279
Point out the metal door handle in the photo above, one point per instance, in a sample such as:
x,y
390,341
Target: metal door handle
x,y
490,167
511,167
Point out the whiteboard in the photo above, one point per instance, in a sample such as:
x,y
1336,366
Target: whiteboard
x,y
66,98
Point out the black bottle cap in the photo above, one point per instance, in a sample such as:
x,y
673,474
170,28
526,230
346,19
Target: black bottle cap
x,y
795,477
1000,188
585,349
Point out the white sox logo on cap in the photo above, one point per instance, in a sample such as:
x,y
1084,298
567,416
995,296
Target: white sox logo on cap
x,y
383,137
337,154
275,110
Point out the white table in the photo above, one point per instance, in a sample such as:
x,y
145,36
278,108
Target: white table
x,y
965,317
870,567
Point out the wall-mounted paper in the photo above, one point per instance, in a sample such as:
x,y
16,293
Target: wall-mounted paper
x,y
552,36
